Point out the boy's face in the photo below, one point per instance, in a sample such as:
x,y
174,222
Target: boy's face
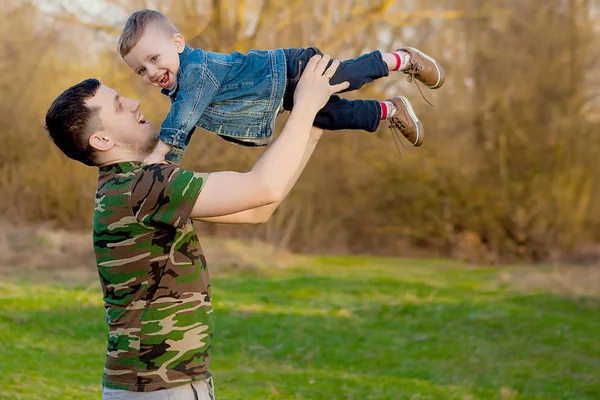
x,y
156,57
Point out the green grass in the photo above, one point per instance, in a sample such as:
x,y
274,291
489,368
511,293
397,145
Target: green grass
x,y
340,328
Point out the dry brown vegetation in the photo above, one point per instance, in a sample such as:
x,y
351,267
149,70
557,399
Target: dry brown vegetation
x,y
508,170
47,254
44,254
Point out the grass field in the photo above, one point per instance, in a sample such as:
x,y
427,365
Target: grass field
x,y
334,328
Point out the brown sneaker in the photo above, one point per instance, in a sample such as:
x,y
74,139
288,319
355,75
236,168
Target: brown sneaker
x,y
423,68
406,122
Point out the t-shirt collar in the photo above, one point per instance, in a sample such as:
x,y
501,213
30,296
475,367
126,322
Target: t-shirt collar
x,y
120,168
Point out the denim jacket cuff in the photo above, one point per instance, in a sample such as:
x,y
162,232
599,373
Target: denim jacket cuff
x,y
174,137
174,156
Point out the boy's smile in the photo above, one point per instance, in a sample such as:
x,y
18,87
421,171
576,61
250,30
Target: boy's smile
x,y
155,57
164,81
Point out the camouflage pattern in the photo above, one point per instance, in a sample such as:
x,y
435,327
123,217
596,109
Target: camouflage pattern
x,y
154,277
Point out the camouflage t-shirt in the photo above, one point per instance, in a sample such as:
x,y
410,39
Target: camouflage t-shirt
x,y
154,278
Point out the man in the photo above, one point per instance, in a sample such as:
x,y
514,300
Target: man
x,y
154,277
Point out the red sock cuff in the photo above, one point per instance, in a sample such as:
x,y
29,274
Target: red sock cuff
x,y
398,61
384,110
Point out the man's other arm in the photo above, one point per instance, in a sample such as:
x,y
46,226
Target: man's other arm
x,y
226,193
262,214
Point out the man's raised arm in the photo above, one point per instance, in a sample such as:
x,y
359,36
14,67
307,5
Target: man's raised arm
x,y
267,183
262,214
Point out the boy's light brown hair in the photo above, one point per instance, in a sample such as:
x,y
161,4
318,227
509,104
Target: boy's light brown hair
x,y
136,25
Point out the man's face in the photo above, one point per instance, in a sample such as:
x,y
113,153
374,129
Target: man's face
x,y
123,122
156,57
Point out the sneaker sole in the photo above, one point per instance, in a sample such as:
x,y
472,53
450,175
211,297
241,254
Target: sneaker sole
x,y
414,118
439,68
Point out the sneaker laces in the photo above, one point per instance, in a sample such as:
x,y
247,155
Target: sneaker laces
x,y
413,70
396,126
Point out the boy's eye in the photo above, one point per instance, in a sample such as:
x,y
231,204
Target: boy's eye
x,y
153,59
141,71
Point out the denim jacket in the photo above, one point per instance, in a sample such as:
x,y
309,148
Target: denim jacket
x,y
234,95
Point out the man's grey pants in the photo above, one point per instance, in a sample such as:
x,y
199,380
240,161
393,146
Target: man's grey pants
x,y
200,390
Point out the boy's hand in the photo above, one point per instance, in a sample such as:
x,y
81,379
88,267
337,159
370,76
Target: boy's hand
x,y
154,158
313,89
158,155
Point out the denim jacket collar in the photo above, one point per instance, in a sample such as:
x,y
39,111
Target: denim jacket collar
x,y
184,60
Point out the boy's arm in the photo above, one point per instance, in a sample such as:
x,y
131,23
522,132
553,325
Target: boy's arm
x,y
158,154
197,89
262,214
231,192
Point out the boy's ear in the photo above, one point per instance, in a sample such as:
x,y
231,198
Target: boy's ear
x,y
179,42
100,141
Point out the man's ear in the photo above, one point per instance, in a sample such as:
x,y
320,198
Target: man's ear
x,y
179,42
100,141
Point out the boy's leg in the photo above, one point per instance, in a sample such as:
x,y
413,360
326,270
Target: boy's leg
x,y
357,72
366,68
366,115
361,70
340,113
410,61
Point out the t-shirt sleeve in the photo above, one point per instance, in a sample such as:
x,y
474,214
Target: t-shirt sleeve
x,y
165,194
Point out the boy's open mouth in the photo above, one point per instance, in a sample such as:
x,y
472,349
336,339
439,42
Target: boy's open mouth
x,y
164,80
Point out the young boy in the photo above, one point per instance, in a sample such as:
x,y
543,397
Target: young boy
x,y
239,96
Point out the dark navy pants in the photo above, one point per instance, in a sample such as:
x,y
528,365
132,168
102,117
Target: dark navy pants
x,y
340,113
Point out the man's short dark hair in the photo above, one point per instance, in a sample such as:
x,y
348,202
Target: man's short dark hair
x,y
70,122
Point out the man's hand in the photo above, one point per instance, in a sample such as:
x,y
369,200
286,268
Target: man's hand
x,y
311,90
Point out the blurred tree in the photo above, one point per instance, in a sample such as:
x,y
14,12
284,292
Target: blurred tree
x,y
507,171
